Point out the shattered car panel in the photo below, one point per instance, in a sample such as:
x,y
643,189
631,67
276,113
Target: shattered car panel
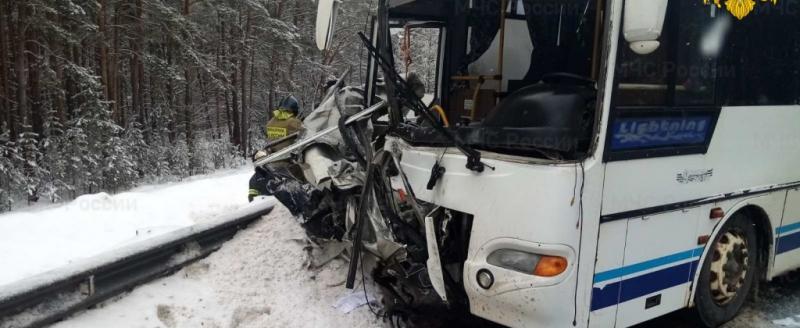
x,y
329,193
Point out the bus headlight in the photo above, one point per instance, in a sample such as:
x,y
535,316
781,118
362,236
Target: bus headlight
x,y
528,263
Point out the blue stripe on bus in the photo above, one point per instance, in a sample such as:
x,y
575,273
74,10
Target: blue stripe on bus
x,y
649,283
647,265
636,287
787,228
788,243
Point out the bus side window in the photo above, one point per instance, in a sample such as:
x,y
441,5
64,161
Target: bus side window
x,y
683,70
702,31
643,80
761,64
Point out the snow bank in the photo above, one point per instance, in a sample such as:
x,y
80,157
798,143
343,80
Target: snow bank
x,y
36,241
788,322
258,279
80,268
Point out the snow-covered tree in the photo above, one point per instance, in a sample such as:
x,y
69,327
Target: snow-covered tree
x,y
100,95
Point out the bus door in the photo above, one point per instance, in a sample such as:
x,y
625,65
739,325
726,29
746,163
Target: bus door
x,y
660,258
787,244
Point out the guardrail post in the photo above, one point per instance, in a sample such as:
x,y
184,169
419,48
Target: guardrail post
x,y
87,287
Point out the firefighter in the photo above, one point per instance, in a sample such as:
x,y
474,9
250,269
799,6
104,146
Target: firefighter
x,y
283,124
281,178
282,130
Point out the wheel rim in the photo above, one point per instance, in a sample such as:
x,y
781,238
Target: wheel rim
x,y
729,266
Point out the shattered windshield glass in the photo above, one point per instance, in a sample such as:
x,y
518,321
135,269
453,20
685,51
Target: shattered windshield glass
x,y
522,88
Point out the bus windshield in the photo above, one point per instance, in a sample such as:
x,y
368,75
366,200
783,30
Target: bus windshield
x,y
523,87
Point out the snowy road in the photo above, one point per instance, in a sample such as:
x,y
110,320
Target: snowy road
x,y
258,279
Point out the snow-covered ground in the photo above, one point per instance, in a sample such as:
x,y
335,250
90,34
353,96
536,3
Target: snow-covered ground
x,y
43,239
258,279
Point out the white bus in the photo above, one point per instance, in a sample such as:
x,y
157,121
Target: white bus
x,y
616,160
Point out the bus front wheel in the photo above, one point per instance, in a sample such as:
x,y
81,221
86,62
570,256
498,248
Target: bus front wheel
x,y
728,273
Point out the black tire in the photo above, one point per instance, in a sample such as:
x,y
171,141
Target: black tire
x,y
711,310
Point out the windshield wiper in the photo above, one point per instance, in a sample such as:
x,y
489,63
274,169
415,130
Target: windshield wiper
x,y
409,98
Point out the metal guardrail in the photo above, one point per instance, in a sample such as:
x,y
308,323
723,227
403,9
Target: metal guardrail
x,y
55,295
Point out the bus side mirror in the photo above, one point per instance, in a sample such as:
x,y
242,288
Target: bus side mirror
x,y
326,23
643,23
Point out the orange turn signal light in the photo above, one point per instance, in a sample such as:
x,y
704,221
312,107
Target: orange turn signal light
x,y
550,266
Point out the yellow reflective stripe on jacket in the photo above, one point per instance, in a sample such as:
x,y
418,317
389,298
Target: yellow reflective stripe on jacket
x,y
276,132
282,114
253,192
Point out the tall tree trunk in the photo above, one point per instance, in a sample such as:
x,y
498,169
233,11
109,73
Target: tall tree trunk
x,y
34,55
235,119
115,71
218,52
56,48
187,104
217,109
237,130
142,46
137,78
20,69
204,101
102,49
69,82
151,90
273,63
293,62
114,76
171,125
228,118
5,104
187,110
244,56
245,110
252,78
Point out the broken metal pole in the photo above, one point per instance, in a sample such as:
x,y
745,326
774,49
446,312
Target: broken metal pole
x,y
281,140
361,218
